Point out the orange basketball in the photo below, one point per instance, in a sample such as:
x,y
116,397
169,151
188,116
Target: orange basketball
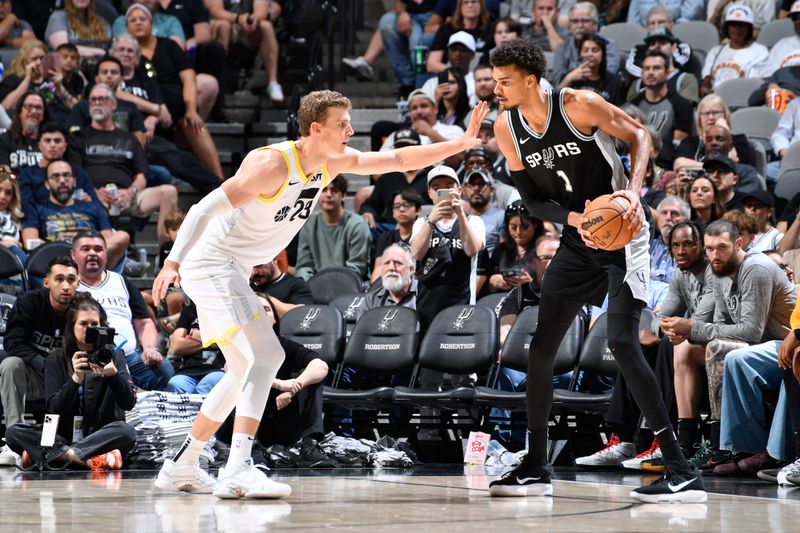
x,y
605,223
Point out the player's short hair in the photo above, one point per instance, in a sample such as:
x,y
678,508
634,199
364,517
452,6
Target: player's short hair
x,y
720,226
174,219
521,53
314,107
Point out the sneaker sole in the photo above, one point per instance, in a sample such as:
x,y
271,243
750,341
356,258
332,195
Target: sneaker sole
x,y
688,496
767,477
599,465
509,491
182,486
228,493
651,468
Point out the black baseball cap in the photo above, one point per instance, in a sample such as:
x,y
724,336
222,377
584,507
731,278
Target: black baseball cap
x,y
762,197
716,160
660,33
406,137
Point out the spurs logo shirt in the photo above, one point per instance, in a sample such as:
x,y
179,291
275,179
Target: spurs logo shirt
x,y
254,233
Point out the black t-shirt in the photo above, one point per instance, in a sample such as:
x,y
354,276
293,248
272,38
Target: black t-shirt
x,y
388,238
169,61
608,87
143,86
189,13
33,329
419,6
288,289
379,202
18,153
297,358
206,360
164,250
127,116
36,13
110,156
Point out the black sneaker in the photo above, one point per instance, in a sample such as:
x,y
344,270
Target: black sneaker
x,y
683,487
524,480
311,454
715,458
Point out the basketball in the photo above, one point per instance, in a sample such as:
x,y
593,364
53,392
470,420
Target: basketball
x,y
605,223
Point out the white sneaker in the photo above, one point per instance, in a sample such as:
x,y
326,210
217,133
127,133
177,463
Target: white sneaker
x,y
8,457
246,480
612,455
647,455
359,67
184,478
792,468
275,92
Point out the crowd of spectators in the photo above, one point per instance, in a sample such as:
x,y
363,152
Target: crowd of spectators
x,y
721,291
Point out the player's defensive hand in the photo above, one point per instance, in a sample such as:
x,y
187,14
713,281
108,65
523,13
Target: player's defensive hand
x,y
634,215
470,137
168,276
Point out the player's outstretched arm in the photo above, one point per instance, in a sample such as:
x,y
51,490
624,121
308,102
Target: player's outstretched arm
x,y
412,157
261,172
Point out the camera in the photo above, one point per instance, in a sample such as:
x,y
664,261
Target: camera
x,y
510,272
102,337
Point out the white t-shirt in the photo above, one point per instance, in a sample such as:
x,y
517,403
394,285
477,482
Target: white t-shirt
x,y
769,240
449,132
113,295
785,53
478,228
430,86
724,63
9,230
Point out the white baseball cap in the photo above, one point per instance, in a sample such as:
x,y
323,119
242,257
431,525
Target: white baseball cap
x,y
739,13
795,7
462,37
442,170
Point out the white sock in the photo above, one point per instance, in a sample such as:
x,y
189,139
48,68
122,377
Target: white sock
x,y
189,452
241,447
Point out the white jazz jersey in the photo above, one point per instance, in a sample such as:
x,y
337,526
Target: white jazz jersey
x,y
256,232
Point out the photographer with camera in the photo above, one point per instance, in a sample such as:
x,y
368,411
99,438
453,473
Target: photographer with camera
x,y
88,385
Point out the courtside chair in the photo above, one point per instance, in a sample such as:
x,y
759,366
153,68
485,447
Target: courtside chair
x,y
39,258
320,328
348,304
10,266
329,283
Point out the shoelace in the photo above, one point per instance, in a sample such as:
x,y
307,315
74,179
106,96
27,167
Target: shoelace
x,y
703,451
611,443
648,453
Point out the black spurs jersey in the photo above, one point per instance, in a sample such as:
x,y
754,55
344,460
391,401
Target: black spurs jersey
x,y
564,165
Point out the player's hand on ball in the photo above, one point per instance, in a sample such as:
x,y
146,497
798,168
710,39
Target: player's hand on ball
x,y
634,215
588,240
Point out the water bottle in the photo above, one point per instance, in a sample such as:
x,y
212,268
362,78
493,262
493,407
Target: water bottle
x,y
499,452
142,255
113,209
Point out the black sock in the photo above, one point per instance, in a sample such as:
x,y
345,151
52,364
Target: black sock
x,y
797,444
623,433
537,448
687,432
713,426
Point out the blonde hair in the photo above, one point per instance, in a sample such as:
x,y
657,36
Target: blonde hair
x,y
18,65
14,206
94,27
314,108
710,100
174,219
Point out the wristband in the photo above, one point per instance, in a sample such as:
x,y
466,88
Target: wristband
x,y
431,224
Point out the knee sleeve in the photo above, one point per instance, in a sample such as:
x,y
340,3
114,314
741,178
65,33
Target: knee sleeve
x,y
268,355
223,397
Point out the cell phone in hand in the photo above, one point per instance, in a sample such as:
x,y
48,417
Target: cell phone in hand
x,y
52,61
443,77
511,273
443,194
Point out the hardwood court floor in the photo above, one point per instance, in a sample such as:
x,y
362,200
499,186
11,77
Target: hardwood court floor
x,y
447,498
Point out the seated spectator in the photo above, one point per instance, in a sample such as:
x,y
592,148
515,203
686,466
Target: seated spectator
x,y
126,311
671,211
447,225
395,267
479,192
711,110
783,54
718,138
113,156
461,51
760,13
704,201
230,23
406,207
752,302
745,223
78,23
760,205
73,80
13,30
680,78
61,217
484,90
136,87
11,214
722,171
197,367
377,209
446,9
741,57
89,398
668,111
284,291
177,81
679,10
591,73
164,24
545,30
480,158
27,74
18,144
451,94
778,90
34,327
32,178
335,237
583,18
786,134
469,16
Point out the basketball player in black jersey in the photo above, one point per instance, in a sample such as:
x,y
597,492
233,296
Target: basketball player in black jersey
x,y
560,153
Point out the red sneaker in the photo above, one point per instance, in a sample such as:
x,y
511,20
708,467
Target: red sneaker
x,y
107,461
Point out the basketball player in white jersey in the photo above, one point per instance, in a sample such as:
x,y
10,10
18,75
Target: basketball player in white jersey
x,y
246,222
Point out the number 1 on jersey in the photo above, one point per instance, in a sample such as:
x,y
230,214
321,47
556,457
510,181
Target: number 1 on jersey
x,y
567,184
